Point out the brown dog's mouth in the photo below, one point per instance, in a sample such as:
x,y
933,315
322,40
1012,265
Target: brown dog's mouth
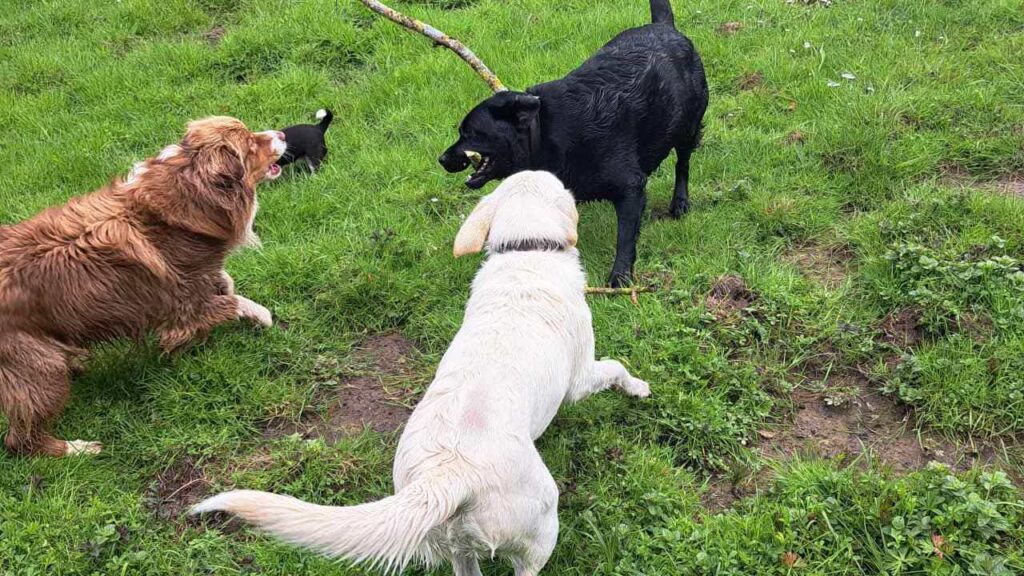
x,y
273,172
483,166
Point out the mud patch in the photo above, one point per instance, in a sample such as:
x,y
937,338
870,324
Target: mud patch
x,y
214,35
826,265
729,297
180,486
902,328
1012,185
957,176
373,393
750,80
845,417
728,28
795,137
718,496
977,327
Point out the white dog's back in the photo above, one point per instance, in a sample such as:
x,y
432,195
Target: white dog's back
x,y
525,336
468,479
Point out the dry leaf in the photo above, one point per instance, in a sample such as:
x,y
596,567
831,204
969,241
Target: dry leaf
x,y
766,434
790,559
938,542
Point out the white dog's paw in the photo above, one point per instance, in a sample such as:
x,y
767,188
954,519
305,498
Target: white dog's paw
x,y
82,448
636,387
250,310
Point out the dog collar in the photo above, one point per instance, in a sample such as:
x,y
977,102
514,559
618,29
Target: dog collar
x,y
528,245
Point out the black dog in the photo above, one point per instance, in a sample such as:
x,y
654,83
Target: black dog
x,y
307,141
603,129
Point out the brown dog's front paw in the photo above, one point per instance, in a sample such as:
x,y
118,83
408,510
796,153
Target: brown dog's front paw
x,y
226,286
82,448
252,311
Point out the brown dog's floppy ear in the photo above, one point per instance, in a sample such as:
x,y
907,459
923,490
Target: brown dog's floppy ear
x,y
473,234
221,166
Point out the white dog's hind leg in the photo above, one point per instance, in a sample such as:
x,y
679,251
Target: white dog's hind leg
x,y
539,551
606,374
466,566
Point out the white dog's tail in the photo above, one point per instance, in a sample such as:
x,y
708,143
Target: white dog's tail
x,y
388,533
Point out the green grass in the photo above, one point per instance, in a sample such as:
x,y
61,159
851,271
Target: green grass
x,y
87,88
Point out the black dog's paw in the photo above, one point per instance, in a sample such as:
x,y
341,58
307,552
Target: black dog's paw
x,y
620,279
677,209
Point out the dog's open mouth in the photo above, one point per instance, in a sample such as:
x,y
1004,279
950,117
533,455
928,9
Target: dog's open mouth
x,y
482,165
273,172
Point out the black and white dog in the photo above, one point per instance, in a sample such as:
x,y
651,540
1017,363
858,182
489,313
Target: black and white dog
x,y
603,129
306,141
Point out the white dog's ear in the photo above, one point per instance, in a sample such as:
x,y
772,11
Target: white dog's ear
x,y
473,234
568,207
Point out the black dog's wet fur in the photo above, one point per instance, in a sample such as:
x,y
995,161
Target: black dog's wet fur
x,y
307,141
602,129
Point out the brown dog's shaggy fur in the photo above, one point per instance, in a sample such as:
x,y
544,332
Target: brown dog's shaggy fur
x,y
144,253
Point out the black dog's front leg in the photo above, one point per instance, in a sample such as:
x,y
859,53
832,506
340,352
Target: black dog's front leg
x,y
629,210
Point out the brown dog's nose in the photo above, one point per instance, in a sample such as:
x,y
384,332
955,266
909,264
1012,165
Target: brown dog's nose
x,y
281,135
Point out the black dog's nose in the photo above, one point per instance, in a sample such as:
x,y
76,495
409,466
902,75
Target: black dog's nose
x,y
453,162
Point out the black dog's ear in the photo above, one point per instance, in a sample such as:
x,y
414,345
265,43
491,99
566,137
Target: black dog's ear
x,y
527,107
520,106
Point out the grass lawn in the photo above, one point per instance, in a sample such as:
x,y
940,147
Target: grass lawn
x,y
843,306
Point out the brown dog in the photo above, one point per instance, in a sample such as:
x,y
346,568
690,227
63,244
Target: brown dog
x,y
144,253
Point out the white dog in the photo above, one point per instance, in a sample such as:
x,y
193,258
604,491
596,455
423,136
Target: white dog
x,y
468,480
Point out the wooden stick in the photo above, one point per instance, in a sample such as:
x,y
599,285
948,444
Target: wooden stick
x,y
440,38
617,291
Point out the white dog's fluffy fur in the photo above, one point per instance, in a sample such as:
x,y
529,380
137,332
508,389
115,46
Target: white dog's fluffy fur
x,y
468,480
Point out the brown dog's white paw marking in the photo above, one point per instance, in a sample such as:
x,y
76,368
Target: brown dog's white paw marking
x,y
252,311
82,448
227,283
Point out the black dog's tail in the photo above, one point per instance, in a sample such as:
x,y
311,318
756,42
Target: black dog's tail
x,y
324,116
661,12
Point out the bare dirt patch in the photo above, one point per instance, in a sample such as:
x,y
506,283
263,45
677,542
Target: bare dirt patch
x,y
729,296
720,494
902,328
751,80
373,393
176,489
957,176
795,137
846,417
1012,184
826,265
214,35
728,28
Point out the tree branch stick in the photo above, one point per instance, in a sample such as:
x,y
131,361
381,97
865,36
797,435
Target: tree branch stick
x,y
617,291
440,38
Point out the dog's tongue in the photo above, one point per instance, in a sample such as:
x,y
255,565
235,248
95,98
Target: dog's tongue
x,y
274,171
